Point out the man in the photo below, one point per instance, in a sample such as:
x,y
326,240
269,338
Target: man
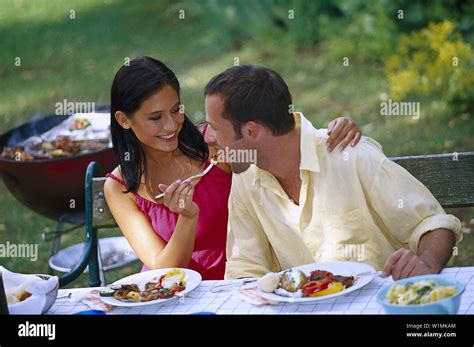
x,y
301,204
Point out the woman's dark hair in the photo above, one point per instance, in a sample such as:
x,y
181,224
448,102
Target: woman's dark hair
x,y
132,85
254,93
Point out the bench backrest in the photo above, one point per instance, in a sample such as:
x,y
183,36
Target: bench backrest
x,y
450,177
101,215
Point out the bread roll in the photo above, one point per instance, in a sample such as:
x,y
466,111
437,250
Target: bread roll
x,y
269,282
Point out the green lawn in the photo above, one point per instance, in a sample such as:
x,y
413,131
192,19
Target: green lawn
x,y
75,59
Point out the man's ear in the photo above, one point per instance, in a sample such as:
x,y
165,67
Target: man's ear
x,y
122,119
251,129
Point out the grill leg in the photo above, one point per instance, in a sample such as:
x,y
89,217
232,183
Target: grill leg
x,y
56,241
101,266
76,218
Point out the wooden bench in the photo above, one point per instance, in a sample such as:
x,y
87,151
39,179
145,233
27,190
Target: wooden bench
x,y
98,216
450,177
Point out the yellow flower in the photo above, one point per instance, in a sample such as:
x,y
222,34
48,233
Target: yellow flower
x,y
433,60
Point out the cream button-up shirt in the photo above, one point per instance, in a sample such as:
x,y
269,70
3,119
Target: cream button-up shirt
x,y
355,205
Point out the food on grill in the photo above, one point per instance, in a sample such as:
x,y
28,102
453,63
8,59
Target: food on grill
x,y
76,135
163,287
79,124
62,147
293,282
17,153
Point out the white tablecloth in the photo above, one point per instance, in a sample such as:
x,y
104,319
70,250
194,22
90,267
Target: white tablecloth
x,y
202,299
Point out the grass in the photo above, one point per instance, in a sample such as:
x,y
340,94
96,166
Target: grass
x,y
76,59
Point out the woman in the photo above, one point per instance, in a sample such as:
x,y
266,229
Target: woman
x,y
158,148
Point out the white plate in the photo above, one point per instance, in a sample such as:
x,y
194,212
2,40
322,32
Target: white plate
x,y
192,280
343,268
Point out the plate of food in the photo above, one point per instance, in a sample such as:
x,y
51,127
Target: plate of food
x,y
315,282
151,287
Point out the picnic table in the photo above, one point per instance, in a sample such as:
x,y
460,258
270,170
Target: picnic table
x,y
202,299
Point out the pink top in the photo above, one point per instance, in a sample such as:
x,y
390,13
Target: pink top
x,y
211,194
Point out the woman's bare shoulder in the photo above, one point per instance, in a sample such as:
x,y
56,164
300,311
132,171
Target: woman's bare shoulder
x,y
113,186
117,172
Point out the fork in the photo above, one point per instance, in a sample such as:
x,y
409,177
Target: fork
x,y
232,285
190,179
65,296
368,273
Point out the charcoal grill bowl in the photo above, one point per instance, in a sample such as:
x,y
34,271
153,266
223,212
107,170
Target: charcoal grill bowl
x,y
49,187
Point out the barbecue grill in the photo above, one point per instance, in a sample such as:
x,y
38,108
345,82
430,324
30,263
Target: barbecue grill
x,y
50,187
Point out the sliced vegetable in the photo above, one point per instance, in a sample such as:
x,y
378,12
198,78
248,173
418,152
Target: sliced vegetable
x,y
333,287
79,124
319,275
107,292
133,295
315,286
424,290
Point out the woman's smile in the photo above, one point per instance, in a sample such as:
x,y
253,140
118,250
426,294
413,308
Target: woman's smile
x,y
168,138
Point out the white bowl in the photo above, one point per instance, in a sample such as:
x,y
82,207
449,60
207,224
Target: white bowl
x,y
31,305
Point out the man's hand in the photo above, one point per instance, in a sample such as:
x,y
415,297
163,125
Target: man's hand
x,y
342,131
404,263
435,249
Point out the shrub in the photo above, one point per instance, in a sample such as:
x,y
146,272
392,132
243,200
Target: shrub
x,y
435,61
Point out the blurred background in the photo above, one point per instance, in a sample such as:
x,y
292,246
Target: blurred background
x,y
338,57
